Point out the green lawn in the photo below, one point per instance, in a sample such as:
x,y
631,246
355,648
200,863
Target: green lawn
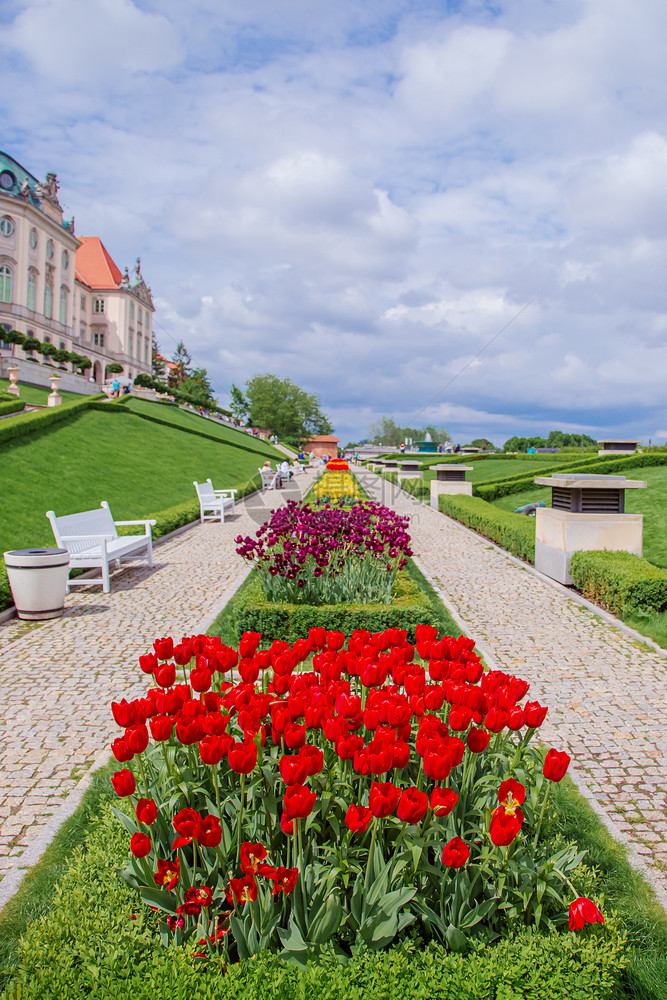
x,y
192,421
651,502
38,394
138,466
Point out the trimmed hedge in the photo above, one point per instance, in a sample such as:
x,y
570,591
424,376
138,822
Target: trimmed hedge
x,y
514,532
11,406
30,423
603,466
623,583
99,942
409,607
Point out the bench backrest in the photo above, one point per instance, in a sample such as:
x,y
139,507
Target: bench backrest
x,y
205,492
86,524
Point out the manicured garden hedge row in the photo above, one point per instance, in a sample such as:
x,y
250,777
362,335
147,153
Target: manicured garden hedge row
x,y
98,942
620,581
410,607
11,406
29,423
602,466
415,487
514,532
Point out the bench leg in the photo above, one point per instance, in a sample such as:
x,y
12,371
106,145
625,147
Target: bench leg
x,y
106,583
149,553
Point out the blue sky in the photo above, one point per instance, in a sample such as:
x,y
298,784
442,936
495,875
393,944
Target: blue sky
x,y
361,195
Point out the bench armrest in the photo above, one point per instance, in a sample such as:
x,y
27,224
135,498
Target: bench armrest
x,y
224,493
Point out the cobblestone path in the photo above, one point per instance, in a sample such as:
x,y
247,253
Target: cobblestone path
x,y
606,692
59,676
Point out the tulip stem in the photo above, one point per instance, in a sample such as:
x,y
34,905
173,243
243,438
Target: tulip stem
x,y
371,851
542,811
240,820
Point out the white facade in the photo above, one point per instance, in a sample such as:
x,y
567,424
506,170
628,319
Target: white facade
x,y
48,293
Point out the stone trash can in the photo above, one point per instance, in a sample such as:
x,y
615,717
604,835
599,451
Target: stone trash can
x,y
38,578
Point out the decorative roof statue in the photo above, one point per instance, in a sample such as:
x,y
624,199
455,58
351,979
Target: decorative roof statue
x,y
125,280
137,268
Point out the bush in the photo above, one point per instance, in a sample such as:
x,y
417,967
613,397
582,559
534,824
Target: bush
x,y
514,532
601,466
409,607
11,406
620,581
95,943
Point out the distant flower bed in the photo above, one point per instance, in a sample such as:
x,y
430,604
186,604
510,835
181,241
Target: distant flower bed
x,y
387,786
329,554
336,486
338,465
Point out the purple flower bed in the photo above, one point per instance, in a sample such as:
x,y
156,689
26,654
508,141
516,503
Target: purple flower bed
x,y
330,554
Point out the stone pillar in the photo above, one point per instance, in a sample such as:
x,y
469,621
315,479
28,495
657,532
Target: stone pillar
x,y
587,513
450,479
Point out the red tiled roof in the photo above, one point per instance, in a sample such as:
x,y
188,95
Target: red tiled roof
x,y
94,265
321,437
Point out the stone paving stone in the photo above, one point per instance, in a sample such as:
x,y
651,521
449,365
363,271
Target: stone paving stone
x,y
60,676
606,691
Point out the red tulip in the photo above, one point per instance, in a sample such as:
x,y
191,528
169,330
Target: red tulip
x,y
146,811
243,889
443,801
299,801
478,740
317,637
511,794
242,757
123,783
201,679
284,880
164,648
357,818
437,765
534,714
383,798
210,833
294,736
555,765
584,911
505,826
161,727
249,643
250,857
455,853
188,730
121,751
124,712
412,806
187,823
335,640
314,758
293,770
140,845
213,748
167,873
136,738
148,663
165,675
460,717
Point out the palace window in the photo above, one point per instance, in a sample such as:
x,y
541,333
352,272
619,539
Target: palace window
x,y
98,338
98,306
83,303
6,226
63,306
33,239
5,283
50,249
48,300
32,289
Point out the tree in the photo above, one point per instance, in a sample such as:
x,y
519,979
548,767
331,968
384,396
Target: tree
x,y
483,443
31,344
239,404
280,406
386,432
46,349
113,369
182,366
158,365
197,388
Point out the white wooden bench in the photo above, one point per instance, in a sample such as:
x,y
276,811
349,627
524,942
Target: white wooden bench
x,y
270,479
93,542
214,503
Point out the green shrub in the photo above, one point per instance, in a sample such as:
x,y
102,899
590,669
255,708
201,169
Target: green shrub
x,y
602,466
409,607
514,532
620,581
11,406
96,943
32,422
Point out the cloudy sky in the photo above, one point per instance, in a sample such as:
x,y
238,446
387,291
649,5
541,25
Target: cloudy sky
x,y
450,213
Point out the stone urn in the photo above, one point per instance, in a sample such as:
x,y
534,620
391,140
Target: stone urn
x,y
13,372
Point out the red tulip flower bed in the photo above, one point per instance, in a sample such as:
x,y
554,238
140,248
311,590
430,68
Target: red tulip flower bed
x,y
278,804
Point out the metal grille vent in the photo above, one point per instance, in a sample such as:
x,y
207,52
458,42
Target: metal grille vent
x,y
602,501
561,498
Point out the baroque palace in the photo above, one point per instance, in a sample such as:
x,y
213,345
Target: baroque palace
x,y
66,290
